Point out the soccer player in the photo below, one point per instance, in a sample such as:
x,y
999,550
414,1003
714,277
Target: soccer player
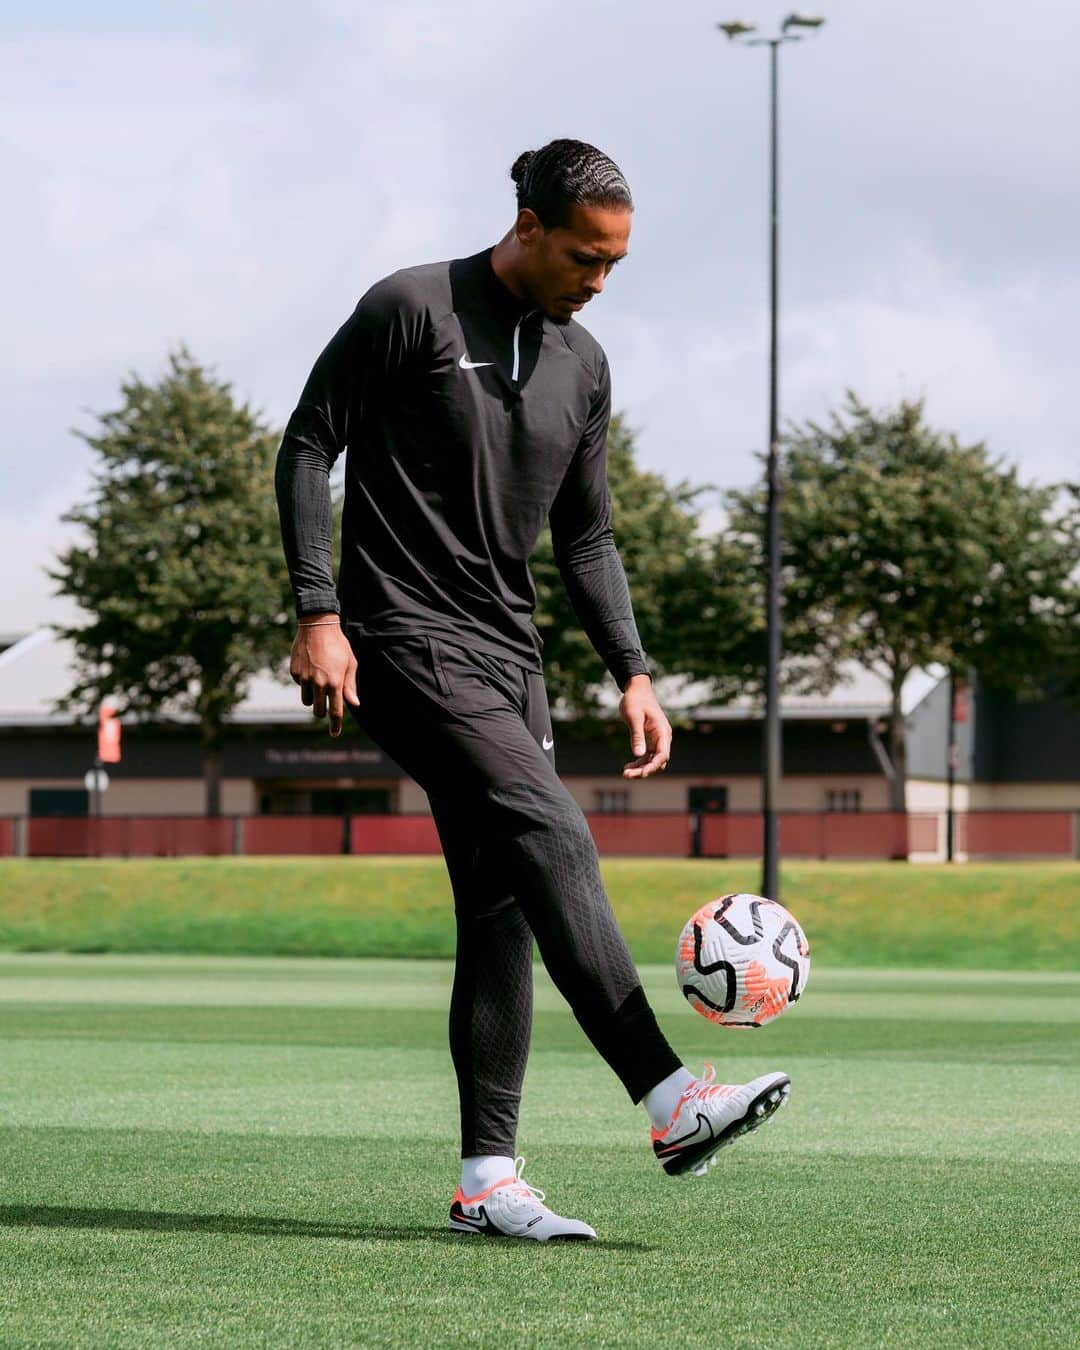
x,y
475,408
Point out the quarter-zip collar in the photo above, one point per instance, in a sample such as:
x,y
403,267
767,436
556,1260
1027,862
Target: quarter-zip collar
x,y
501,298
514,316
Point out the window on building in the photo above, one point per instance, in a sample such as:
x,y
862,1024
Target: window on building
x,y
843,799
610,801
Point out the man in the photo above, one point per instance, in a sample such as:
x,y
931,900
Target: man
x,y
475,408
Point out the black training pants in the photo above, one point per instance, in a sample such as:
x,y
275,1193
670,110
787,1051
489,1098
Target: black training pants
x,y
475,732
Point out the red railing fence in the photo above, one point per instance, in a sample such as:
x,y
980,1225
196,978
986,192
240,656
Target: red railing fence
x,y
674,834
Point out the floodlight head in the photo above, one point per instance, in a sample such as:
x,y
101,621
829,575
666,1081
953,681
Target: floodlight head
x,y
801,21
737,28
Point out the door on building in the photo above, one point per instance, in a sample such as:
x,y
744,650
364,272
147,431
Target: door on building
x,y
59,802
325,801
712,800
703,801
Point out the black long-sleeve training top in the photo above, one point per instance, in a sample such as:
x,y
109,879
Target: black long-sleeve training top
x,y
470,418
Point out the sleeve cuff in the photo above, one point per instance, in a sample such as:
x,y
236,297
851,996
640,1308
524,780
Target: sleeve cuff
x,y
626,673
317,602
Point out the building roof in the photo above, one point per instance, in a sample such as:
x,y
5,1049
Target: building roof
x,y
859,694
37,670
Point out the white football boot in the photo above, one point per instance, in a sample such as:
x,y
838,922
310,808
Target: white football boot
x,y
710,1115
513,1208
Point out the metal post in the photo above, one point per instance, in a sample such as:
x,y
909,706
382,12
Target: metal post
x,y
770,872
950,774
772,767
96,823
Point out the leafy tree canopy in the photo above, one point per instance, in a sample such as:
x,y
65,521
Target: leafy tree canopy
x,y
692,595
180,569
902,548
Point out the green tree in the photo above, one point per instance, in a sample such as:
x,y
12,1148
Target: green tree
x,y
180,568
692,595
903,548
1068,656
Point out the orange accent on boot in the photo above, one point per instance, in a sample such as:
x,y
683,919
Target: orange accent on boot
x,y
482,1195
699,1090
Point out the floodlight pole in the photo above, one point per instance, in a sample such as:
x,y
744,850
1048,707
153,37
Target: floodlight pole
x,y
772,765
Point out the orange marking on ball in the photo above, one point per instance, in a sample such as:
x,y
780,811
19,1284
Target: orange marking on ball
x,y
774,992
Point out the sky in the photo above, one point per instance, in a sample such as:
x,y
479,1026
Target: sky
x,y
235,175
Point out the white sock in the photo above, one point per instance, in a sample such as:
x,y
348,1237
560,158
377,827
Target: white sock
x,y
484,1170
661,1101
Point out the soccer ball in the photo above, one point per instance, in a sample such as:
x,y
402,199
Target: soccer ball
x,y
741,960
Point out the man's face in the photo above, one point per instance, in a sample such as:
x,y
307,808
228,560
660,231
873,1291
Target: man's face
x,y
568,265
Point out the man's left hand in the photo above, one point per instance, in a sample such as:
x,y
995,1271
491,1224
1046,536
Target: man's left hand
x,y
650,731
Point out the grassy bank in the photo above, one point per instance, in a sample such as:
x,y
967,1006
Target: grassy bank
x,y
979,916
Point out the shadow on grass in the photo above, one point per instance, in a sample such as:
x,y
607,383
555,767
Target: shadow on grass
x,y
153,1221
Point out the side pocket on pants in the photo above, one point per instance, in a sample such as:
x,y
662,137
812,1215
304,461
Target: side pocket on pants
x,y
412,660
441,681
473,681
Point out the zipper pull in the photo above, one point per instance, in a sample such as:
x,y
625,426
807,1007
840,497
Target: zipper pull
x,y
517,346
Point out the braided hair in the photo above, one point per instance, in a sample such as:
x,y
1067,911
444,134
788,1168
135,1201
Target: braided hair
x,y
562,172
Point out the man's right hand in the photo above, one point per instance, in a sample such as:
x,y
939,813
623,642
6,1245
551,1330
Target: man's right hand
x,y
324,667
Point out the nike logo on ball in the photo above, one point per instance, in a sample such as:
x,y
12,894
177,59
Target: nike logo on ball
x,y
466,364
548,742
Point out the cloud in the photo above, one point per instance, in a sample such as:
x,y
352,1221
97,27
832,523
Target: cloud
x,y
698,391
30,539
979,356
236,177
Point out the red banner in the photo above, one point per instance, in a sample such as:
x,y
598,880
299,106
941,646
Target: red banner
x,y
108,735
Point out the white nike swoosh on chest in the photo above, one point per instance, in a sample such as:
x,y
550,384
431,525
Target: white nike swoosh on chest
x,y
548,742
466,364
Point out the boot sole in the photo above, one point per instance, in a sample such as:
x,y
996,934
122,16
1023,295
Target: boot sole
x,y
518,1237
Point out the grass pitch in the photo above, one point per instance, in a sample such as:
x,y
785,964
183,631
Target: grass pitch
x,y
252,1152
